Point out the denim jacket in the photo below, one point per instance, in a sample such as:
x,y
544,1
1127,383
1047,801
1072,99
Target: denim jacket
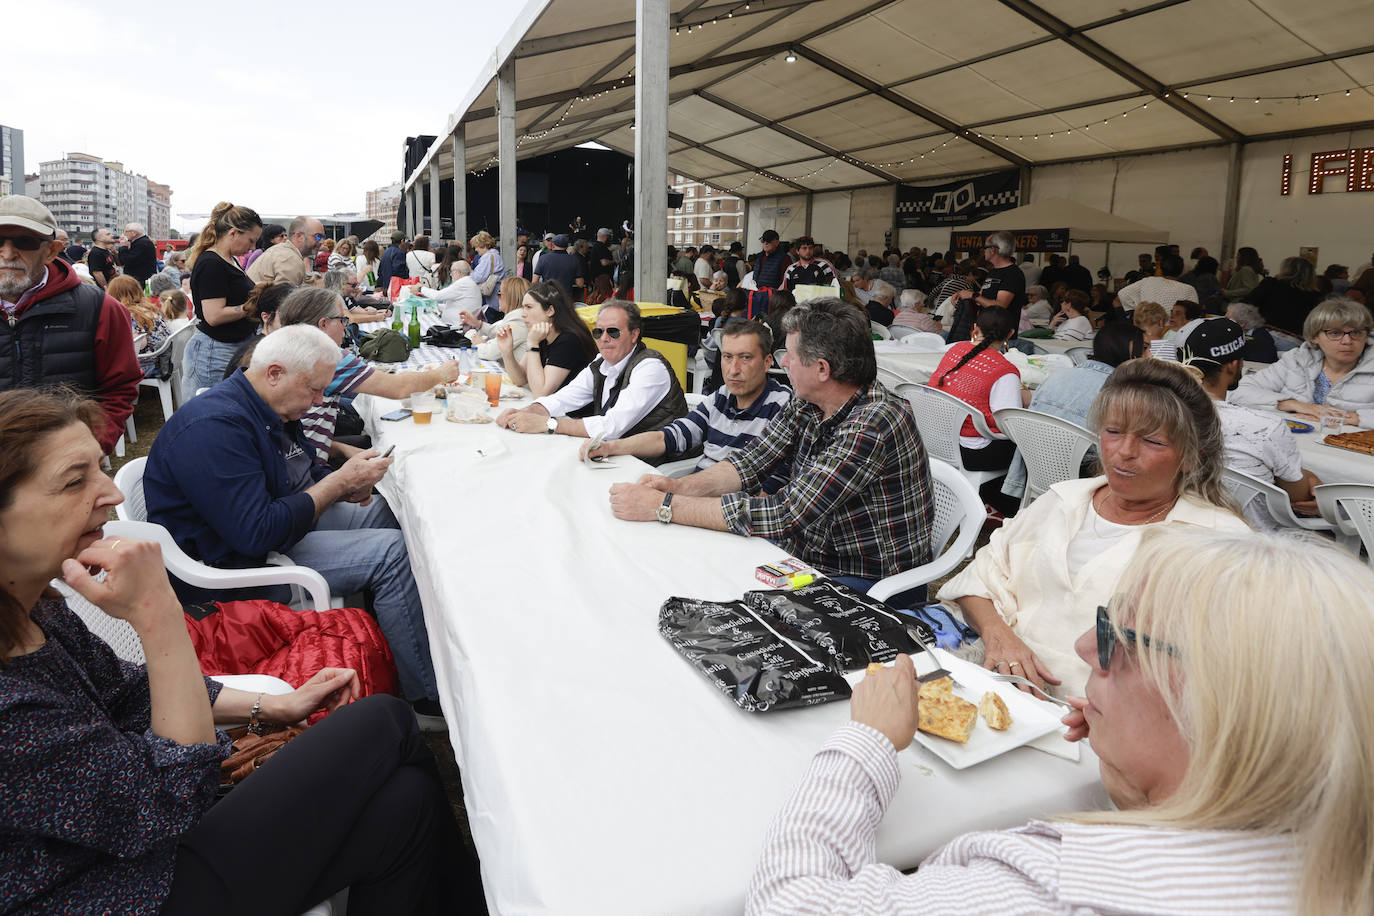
x,y
1069,395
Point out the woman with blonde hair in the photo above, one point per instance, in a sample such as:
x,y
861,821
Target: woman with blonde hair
x,y
512,325
1235,738
341,258
1153,319
219,289
147,318
487,271
1035,586
173,306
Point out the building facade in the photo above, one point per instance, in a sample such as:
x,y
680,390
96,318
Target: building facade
x,y
11,160
382,204
707,216
86,193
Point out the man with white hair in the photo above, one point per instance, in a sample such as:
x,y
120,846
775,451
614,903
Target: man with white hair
x,y
600,260
232,477
461,297
139,256
1005,286
881,295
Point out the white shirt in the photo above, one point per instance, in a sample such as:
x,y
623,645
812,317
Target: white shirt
x,y
1005,392
462,295
1076,328
1032,271
1261,445
649,385
702,268
1155,289
1039,310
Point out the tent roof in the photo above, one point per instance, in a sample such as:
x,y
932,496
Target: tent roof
x,y
900,90
1085,224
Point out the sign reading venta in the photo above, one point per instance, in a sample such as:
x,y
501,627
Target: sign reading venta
x,y
1355,166
1026,240
959,202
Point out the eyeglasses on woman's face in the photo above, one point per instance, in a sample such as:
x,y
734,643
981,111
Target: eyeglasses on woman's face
x,y
1335,334
1106,640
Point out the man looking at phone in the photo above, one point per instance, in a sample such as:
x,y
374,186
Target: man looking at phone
x,y
285,262
232,477
735,416
629,388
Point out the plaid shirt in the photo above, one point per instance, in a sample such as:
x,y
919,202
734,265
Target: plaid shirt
x,y
859,503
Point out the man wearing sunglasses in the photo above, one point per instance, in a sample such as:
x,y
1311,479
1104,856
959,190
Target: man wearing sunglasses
x,y
288,260
628,389
58,329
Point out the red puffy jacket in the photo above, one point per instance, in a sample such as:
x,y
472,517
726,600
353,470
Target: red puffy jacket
x,y
264,637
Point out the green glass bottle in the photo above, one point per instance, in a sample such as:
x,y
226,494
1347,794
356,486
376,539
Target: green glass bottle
x,y
414,328
396,324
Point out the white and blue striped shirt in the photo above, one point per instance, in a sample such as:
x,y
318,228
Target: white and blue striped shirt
x,y
719,427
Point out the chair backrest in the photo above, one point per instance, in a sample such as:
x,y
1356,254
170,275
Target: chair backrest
x,y
1349,507
898,331
1079,355
880,330
179,340
129,479
957,505
1246,489
923,341
117,633
939,417
1053,448
893,379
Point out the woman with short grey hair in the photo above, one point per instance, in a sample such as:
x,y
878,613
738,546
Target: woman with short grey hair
x,y
1259,343
1333,369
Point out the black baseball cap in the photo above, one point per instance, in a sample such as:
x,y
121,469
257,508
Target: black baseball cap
x,y
769,235
1216,340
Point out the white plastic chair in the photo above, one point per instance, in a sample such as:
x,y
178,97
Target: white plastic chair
x,y
1053,448
1349,507
921,341
881,330
939,417
1079,355
1246,488
134,511
166,388
892,379
957,506
898,331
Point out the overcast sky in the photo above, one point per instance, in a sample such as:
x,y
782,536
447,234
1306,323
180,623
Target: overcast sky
x,y
286,107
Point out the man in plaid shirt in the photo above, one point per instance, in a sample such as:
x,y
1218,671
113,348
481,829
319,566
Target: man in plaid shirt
x,y
858,507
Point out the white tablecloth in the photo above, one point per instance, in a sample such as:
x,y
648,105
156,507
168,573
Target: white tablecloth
x,y
602,774
423,356
1331,464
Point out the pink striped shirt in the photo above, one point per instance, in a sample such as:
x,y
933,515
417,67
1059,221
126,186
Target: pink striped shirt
x,y
819,857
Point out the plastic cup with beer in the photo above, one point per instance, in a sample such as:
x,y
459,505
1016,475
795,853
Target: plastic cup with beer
x,y
493,388
422,406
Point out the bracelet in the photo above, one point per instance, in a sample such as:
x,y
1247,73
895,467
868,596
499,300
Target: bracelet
x,y
254,726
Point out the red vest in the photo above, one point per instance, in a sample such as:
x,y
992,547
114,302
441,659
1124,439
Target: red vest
x,y
973,383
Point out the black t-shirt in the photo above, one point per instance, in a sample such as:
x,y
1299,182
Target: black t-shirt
x,y
565,351
1001,279
212,277
595,255
100,261
561,266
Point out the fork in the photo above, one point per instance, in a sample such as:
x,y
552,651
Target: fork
x,y
1017,679
940,671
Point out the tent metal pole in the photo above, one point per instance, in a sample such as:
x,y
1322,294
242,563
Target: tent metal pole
x,y
505,154
651,150
1234,166
436,227
460,183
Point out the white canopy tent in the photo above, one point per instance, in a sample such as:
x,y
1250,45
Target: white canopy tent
x,y
770,97
1085,224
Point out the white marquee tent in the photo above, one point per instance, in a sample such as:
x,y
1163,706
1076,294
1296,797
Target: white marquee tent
x,y
1085,224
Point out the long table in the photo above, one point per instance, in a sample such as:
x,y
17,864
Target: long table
x,y
601,773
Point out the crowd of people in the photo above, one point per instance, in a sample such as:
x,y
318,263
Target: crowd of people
x,y
1104,590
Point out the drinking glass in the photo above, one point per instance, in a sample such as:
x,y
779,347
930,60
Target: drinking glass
x,y
422,406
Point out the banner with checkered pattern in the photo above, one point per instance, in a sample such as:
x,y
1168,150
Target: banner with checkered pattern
x,y
957,203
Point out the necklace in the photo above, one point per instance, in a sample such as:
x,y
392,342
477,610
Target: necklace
x,y
1096,515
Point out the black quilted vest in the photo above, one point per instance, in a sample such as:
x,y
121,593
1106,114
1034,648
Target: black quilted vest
x,y
672,407
52,342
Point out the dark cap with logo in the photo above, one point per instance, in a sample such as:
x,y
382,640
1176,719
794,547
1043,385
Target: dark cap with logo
x,y
1217,340
769,235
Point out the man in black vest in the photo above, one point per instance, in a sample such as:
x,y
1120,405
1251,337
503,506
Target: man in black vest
x,y
58,330
628,389
139,257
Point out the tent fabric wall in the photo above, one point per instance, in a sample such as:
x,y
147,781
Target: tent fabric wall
x,y
763,214
830,219
870,216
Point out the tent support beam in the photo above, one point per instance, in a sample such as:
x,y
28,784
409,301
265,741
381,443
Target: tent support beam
x,y
460,182
740,162
651,149
794,135
505,156
1122,68
1234,164
902,101
436,225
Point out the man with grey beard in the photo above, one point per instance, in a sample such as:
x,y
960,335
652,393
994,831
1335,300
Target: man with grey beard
x,y
58,330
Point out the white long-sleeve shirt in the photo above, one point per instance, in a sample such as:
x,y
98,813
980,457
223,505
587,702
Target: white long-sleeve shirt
x,y
819,856
462,295
648,385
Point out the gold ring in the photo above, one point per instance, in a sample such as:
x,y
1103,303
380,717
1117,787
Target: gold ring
x,y
115,544
1013,664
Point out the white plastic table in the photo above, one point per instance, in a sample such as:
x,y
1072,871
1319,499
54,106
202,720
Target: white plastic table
x,y
601,773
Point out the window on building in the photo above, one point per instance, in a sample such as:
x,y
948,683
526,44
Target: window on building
x,y
716,204
690,206
715,222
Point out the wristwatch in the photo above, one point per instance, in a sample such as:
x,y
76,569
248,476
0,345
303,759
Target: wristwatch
x,y
552,426
665,511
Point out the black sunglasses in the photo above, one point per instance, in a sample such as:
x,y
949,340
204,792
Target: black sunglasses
x,y
1106,640
614,332
24,242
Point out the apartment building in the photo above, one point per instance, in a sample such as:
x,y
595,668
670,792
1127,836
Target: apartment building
x,y
382,204
11,160
86,192
707,216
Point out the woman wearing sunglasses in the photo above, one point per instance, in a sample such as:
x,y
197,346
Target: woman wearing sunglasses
x,y
1038,582
1334,368
1237,748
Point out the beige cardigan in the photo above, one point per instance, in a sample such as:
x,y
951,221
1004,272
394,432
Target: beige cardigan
x,y
1024,572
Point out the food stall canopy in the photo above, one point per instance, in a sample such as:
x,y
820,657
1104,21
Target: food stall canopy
x,y
1084,223
770,97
